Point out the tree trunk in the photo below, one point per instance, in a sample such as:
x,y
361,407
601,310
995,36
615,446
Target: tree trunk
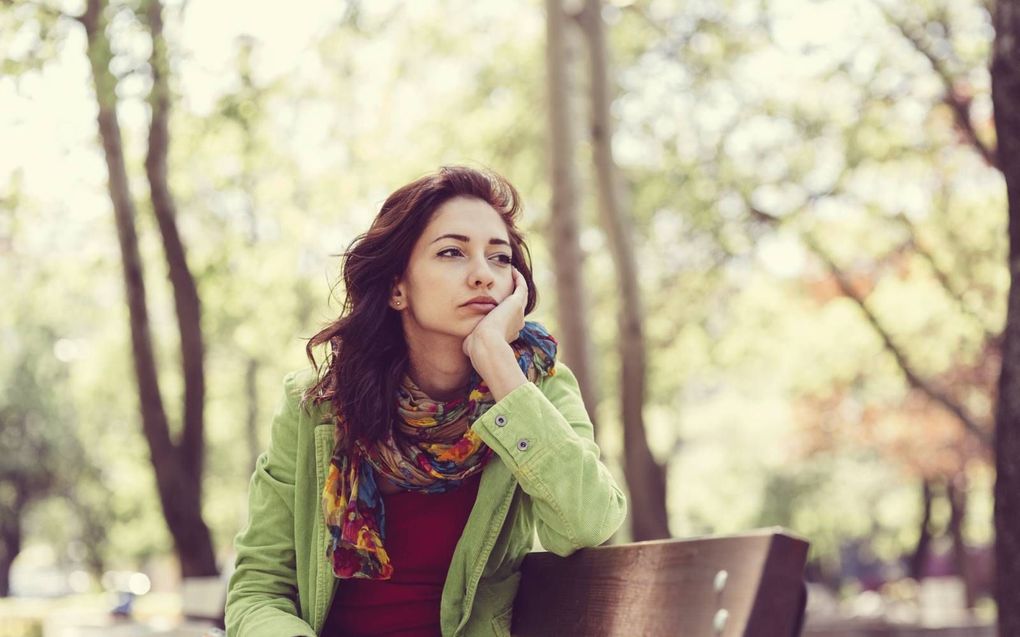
x,y
920,556
178,485
10,538
646,479
186,301
956,493
94,536
252,396
564,216
1005,70
248,182
197,556
10,546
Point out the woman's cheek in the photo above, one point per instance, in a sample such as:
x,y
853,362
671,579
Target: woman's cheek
x,y
507,282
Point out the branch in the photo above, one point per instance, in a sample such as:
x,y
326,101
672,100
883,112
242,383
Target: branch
x,y
943,279
642,11
958,104
913,377
846,287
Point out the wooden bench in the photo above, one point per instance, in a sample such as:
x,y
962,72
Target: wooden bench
x,y
750,585
722,586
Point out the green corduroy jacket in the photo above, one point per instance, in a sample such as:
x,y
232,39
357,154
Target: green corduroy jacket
x,y
547,478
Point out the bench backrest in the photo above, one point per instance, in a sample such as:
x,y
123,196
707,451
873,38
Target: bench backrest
x,y
747,585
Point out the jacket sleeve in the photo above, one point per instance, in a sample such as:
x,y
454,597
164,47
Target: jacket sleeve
x,y
262,595
544,435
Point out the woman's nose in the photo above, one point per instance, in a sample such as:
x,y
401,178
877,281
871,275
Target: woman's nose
x,y
481,274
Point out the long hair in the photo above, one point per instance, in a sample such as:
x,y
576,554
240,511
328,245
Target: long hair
x,y
367,353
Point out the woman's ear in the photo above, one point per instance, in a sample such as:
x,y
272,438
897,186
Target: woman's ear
x,y
398,300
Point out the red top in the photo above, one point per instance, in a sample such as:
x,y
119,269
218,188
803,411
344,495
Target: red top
x,y
422,531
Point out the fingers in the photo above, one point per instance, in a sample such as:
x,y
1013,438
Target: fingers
x,y
520,283
521,290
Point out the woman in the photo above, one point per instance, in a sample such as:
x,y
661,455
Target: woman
x,y
405,481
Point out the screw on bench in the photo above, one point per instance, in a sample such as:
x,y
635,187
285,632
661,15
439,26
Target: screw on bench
x,y
720,581
719,622
721,615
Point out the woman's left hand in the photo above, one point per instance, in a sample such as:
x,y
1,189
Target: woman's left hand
x,y
504,322
488,344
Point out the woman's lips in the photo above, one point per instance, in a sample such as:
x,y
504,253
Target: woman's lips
x,y
480,306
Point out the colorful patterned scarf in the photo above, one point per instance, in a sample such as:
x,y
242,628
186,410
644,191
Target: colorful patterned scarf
x,y
430,448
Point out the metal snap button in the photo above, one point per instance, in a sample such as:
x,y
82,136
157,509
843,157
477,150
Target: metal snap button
x,y
501,421
522,444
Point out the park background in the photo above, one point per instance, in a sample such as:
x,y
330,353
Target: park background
x,y
791,208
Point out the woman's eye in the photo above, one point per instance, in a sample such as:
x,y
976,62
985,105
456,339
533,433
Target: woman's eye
x,y
449,252
505,259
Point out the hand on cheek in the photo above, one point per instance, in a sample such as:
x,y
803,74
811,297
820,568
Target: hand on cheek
x,y
488,344
504,322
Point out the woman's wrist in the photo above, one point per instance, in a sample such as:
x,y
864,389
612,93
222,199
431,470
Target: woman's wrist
x,y
493,359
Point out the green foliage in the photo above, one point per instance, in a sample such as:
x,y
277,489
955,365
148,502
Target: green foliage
x,y
34,434
746,140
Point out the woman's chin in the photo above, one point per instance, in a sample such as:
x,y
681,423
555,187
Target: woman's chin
x,y
454,329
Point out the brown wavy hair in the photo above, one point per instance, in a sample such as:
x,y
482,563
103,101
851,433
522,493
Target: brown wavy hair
x,y
367,353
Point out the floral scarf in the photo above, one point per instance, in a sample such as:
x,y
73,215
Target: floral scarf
x,y
431,448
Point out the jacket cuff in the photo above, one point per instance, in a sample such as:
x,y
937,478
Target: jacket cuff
x,y
523,427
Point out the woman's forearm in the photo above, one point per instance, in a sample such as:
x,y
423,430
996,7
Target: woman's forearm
x,y
493,359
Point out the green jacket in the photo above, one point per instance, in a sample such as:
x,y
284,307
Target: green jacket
x,y
548,478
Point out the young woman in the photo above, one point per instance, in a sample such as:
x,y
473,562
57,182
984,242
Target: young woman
x,y
406,479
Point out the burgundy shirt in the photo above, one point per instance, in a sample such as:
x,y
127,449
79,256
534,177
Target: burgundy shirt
x,y
422,531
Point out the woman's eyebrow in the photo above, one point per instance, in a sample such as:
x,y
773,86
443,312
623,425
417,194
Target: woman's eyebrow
x,y
466,239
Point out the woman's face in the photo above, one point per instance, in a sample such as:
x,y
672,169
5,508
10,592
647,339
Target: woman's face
x,y
463,253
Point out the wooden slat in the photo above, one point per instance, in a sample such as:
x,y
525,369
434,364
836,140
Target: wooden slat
x,y
667,587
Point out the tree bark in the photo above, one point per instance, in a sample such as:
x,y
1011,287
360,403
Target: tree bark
x,y
564,216
956,493
920,556
10,537
186,300
179,488
94,536
645,477
198,557
1005,71
10,546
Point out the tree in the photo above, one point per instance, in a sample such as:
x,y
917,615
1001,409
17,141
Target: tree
x,y
573,308
1005,68
728,134
178,465
34,444
645,477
